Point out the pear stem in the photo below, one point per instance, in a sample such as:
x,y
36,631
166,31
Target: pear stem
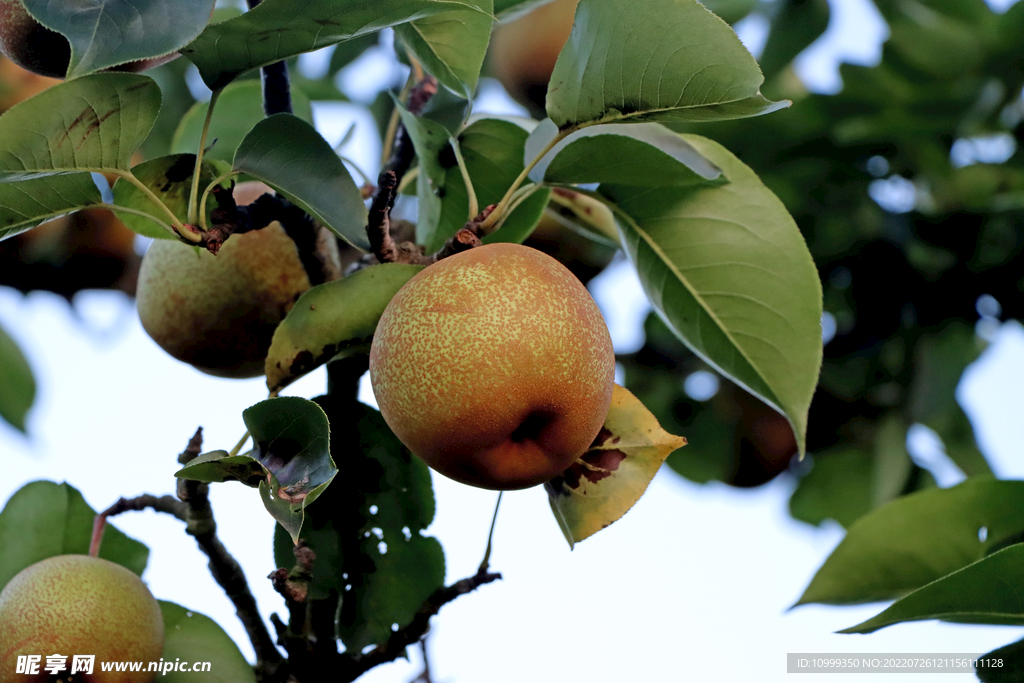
x,y
238,446
490,537
193,208
98,526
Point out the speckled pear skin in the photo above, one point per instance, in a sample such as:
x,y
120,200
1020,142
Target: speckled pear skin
x,y
219,313
77,604
494,366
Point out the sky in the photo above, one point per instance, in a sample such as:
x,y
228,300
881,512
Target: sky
x,y
693,583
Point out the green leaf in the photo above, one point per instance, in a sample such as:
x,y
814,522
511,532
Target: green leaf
x,y
291,439
218,466
837,487
384,497
288,154
607,480
193,637
239,108
105,33
984,592
26,204
330,319
917,539
672,60
277,29
493,152
796,25
170,179
402,579
727,269
451,45
17,385
848,481
731,11
44,519
643,154
939,362
509,10
429,139
92,123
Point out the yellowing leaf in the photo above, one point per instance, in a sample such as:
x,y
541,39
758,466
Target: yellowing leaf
x,y
607,480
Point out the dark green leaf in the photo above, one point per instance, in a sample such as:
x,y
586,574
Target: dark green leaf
x,y
939,362
403,577
291,439
729,271
383,497
44,519
26,204
837,487
1006,665
917,539
170,179
429,139
239,107
643,154
330,319
288,154
277,29
493,152
984,592
193,637
451,45
105,33
92,123
795,25
17,385
672,60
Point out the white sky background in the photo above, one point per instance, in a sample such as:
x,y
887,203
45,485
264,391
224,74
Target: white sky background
x,y
692,584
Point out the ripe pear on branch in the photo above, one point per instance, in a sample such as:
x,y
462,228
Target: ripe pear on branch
x,y
219,313
494,366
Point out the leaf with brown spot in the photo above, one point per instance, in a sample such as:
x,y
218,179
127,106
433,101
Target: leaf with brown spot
x,y
607,480
330,319
93,123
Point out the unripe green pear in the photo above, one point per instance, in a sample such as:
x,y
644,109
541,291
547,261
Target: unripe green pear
x,y
494,366
219,312
32,46
79,605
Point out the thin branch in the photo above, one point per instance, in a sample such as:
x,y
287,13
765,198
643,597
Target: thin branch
x,y
318,259
402,154
351,666
277,96
193,507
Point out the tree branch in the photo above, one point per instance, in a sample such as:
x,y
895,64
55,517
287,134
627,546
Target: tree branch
x,y
200,524
378,227
317,253
352,666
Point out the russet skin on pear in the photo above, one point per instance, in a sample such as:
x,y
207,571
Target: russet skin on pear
x,y
494,366
77,604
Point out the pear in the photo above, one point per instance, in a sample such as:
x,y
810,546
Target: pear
x,y
494,366
36,48
219,313
79,605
